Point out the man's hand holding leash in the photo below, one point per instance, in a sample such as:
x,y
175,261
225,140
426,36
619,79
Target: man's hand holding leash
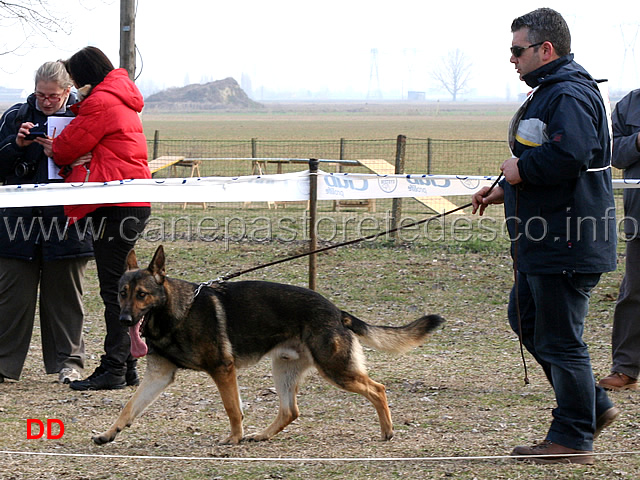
x,y
495,194
481,200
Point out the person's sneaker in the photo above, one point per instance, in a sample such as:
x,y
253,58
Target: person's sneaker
x,y
606,419
538,454
68,375
100,380
131,377
618,381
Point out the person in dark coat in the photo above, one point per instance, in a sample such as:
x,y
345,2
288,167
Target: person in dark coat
x,y
625,337
39,254
560,212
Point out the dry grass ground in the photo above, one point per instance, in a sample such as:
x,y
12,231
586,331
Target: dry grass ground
x,y
460,395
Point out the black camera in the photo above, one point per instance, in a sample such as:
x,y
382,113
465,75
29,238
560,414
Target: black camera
x,y
25,169
33,134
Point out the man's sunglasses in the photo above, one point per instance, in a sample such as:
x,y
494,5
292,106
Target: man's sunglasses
x,y
517,51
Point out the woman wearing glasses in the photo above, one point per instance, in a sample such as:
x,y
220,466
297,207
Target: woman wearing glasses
x,y
35,252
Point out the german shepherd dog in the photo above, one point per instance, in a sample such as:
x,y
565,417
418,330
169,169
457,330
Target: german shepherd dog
x,y
226,326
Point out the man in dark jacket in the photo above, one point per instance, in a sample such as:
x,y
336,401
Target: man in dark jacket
x,y
561,217
625,337
37,251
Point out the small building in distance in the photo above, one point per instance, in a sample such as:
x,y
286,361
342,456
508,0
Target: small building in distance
x,y
11,95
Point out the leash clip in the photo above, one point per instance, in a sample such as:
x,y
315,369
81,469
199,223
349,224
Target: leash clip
x,y
206,284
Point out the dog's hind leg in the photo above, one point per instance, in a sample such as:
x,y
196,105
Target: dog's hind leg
x,y
349,373
159,375
227,383
289,368
376,394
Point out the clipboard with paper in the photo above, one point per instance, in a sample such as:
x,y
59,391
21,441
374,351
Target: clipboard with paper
x,y
54,126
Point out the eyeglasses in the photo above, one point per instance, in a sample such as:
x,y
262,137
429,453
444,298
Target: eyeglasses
x,y
56,97
517,51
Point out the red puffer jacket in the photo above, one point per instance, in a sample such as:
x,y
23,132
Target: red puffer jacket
x,y
107,125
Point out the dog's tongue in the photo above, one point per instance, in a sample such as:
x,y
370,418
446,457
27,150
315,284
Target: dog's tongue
x,y
138,347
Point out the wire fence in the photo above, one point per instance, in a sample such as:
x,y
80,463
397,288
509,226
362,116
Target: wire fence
x,y
185,158
339,221
432,156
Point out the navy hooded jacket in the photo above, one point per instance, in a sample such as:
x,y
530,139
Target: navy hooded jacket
x,y
564,206
29,232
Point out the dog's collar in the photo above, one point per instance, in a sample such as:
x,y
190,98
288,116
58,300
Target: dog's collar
x,y
206,284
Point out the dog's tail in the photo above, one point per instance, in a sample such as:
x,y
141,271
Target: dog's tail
x,y
392,339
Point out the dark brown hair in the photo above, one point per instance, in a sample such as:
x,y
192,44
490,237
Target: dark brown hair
x,y
544,25
89,66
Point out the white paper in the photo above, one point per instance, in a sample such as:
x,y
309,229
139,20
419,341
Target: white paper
x,y
54,126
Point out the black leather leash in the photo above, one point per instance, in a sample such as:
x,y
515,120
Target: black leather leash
x,y
337,245
516,290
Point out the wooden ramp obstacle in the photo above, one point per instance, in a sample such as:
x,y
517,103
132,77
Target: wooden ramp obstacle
x,y
163,162
173,162
437,204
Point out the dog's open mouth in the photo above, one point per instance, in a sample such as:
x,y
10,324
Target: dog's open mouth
x,y
138,346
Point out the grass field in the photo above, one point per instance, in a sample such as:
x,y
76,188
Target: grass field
x,y
447,121
459,402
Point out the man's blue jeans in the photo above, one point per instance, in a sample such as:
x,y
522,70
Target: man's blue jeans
x,y
552,312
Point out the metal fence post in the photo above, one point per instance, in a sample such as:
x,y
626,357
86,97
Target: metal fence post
x,y
396,208
313,212
429,152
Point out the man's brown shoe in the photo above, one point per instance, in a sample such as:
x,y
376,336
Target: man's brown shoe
x,y
538,454
606,419
618,381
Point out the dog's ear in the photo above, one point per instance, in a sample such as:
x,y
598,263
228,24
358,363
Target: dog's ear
x,y
156,267
132,261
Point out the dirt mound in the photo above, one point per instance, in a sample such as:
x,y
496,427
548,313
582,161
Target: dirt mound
x,y
221,94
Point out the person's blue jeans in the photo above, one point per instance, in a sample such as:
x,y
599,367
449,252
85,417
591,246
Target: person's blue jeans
x,y
552,313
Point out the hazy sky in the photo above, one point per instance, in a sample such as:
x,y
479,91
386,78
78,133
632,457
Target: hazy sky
x,y
321,47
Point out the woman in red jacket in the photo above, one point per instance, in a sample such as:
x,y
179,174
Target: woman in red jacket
x,y
107,124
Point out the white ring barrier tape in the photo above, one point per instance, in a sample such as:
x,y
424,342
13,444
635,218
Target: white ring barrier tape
x,y
305,459
254,188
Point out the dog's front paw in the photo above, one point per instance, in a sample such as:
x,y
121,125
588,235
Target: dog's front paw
x,y
102,439
255,437
231,440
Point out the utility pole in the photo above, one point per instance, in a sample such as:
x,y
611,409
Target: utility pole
x,y
374,78
128,37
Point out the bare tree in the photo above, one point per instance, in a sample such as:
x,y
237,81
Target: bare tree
x,y
454,72
34,20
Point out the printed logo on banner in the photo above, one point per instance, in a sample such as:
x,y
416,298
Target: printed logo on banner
x,y
338,185
470,183
429,182
387,184
419,184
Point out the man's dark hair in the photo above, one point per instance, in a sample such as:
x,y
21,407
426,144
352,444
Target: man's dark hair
x,y
545,25
89,66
